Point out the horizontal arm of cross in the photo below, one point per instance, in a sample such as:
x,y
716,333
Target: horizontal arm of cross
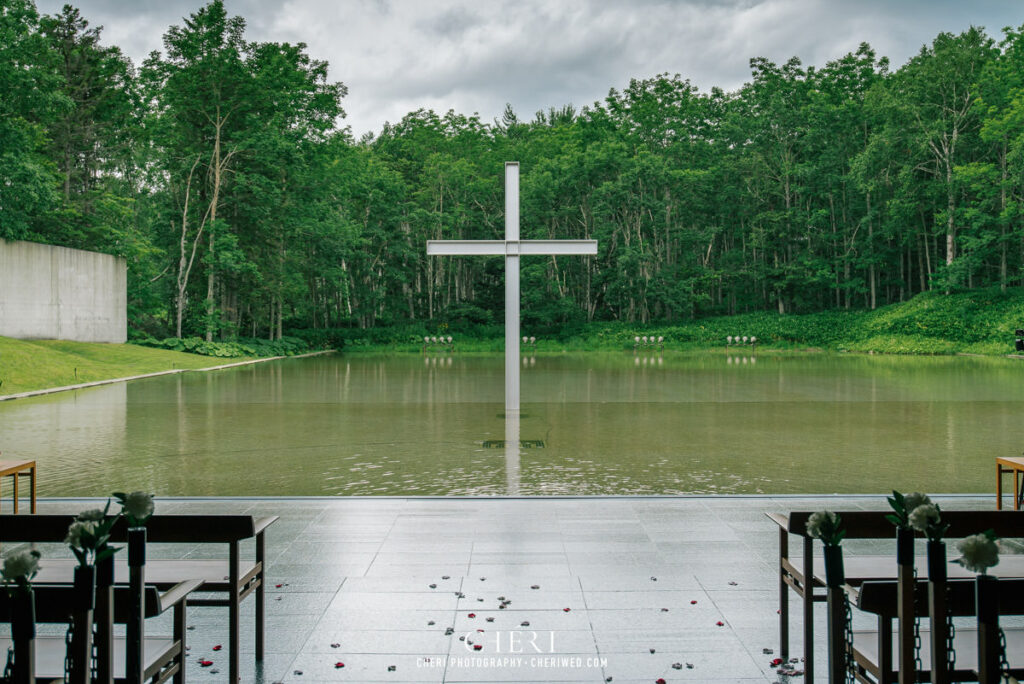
x,y
510,247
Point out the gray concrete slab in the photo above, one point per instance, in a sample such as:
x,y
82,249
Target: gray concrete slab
x,y
593,589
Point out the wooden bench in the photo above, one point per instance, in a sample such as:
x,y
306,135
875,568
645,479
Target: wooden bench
x,y
232,578
16,470
806,576
1009,464
873,650
164,656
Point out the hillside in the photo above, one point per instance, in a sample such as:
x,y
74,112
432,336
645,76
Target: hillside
x,y
27,365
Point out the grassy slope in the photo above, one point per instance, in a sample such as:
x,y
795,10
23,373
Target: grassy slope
x,y
36,364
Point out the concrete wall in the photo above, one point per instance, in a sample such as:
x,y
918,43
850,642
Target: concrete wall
x,y
49,292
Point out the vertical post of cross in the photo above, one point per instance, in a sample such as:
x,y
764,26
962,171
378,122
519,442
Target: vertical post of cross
x,y
511,248
511,287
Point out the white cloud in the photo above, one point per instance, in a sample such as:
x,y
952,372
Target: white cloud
x,y
396,56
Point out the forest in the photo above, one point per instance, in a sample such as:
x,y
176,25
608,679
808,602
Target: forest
x,y
222,171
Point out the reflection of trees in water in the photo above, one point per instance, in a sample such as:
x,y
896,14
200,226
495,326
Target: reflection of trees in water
x,y
394,425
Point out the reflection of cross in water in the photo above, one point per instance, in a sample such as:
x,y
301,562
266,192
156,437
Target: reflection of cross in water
x,y
511,247
512,452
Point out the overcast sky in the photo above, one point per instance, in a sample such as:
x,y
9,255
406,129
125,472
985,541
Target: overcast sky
x,y
397,56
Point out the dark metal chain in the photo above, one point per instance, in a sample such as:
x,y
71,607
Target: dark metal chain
x,y
850,663
1004,666
94,655
917,647
918,666
68,637
950,634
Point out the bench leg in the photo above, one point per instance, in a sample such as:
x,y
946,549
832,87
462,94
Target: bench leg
x,y
783,596
1018,493
16,478
233,670
180,630
32,479
808,562
999,487
262,579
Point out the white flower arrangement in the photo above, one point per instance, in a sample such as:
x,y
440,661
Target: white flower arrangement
x,y
903,505
927,519
92,515
88,535
915,499
81,534
19,568
826,526
979,552
136,506
922,516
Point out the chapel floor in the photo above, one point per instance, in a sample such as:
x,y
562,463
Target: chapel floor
x,y
357,572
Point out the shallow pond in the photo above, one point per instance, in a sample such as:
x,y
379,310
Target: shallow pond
x,y
595,423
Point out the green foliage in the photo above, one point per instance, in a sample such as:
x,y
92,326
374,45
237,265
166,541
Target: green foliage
x,y
979,322
218,170
286,346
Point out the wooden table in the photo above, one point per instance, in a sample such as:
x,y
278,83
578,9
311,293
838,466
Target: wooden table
x,y
18,469
1010,464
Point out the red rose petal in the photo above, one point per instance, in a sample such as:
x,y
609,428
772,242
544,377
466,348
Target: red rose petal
x,y
477,647
776,662
217,647
339,665
566,610
720,623
278,586
693,602
659,680
472,615
205,663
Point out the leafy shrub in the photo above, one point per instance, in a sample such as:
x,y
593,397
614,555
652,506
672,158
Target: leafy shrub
x,y
286,346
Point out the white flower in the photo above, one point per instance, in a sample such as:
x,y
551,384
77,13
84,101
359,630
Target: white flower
x,y
77,530
93,515
924,515
139,505
23,564
978,553
914,499
822,521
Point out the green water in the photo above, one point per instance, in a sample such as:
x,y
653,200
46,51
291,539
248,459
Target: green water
x,y
609,423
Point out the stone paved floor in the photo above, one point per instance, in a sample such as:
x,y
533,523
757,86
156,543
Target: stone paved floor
x,y
648,582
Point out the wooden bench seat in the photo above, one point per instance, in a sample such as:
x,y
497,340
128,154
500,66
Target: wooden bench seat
x,y
863,568
162,573
867,653
164,657
806,576
50,652
231,579
874,650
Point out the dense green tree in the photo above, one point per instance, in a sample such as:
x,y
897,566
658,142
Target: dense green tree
x,y
220,172
30,102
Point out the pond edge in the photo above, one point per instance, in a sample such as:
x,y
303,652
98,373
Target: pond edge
x,y
97,383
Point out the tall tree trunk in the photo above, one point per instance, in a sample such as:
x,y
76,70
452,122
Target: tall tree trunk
x,y
871,248
185,262
218,168
1002,217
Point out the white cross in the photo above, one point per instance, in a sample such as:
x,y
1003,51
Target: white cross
x,y
511,247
